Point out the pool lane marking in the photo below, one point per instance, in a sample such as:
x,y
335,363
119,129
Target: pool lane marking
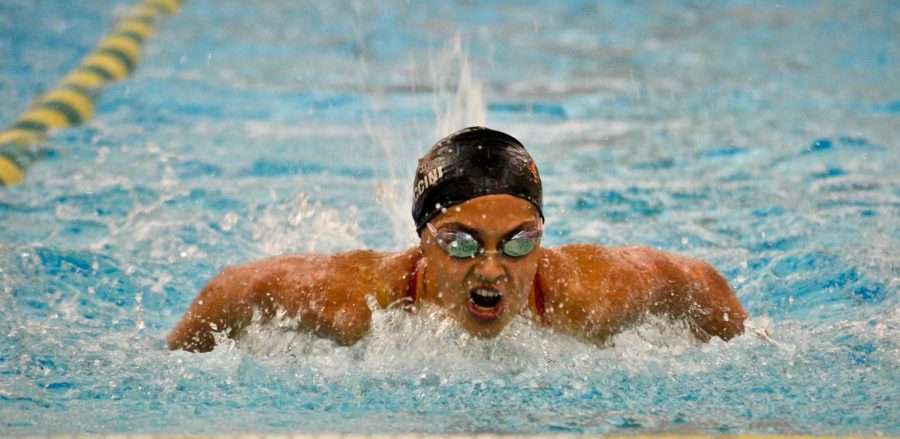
x,y
71,103
9,170
63,107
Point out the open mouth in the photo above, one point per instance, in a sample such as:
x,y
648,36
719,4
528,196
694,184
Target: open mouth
x,y
485,303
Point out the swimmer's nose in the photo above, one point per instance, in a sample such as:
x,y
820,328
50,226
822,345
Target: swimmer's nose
x,y
489,268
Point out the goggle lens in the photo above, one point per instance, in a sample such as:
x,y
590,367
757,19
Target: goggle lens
x,y
518,246
461,245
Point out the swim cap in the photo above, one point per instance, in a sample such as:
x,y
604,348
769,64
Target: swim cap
x,y
470,163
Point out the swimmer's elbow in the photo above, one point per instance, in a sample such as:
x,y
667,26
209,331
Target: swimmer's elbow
x,y
727,328
734,317
734,330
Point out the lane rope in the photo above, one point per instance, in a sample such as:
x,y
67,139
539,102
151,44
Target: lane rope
x,y
71,102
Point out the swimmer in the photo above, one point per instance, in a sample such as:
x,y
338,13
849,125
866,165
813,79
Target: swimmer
x,y
477,206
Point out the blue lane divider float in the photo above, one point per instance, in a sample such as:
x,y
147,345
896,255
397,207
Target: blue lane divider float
x,y
71,102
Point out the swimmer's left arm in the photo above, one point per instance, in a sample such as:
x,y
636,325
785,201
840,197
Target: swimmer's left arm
x,y
593,291
702,294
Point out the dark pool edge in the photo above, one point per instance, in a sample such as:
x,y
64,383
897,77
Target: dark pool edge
x,y
417,436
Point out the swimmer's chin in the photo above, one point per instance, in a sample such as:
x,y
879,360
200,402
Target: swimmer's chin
x,y
474,326
487,335
481,329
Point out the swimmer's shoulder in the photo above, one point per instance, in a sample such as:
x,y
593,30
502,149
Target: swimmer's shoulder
x,y
591,264
386,274
358,259
593,254
569,256
357,267
562,269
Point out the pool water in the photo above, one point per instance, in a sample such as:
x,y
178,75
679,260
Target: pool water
x,y
760,136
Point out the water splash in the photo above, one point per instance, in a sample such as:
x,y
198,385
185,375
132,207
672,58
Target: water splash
x,y
401,344
301,225
458,100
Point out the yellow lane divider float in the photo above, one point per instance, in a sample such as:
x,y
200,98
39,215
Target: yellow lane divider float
x,y
72,101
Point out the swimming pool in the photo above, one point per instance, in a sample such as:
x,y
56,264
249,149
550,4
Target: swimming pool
x,y
759,136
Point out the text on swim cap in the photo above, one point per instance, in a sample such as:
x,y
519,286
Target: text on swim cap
x,y
428,180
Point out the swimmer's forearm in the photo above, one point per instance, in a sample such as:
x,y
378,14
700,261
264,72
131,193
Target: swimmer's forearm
x,y
711,304
191,334
225,304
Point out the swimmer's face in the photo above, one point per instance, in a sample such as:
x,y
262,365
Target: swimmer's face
x,y
483,293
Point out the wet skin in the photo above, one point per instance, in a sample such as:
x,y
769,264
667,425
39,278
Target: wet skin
x,y
588,291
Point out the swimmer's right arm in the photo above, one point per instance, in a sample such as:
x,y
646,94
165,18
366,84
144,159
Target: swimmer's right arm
x,y
325,294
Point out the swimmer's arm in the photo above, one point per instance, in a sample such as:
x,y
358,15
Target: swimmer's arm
x,y
703,295
593,292
225,304
325,295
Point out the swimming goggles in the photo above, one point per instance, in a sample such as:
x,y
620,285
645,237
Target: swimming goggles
x,y
461,244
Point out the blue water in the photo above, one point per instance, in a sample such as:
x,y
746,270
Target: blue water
x,y
759,136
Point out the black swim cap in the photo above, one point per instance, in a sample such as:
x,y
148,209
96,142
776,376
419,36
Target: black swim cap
x,y
470,163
